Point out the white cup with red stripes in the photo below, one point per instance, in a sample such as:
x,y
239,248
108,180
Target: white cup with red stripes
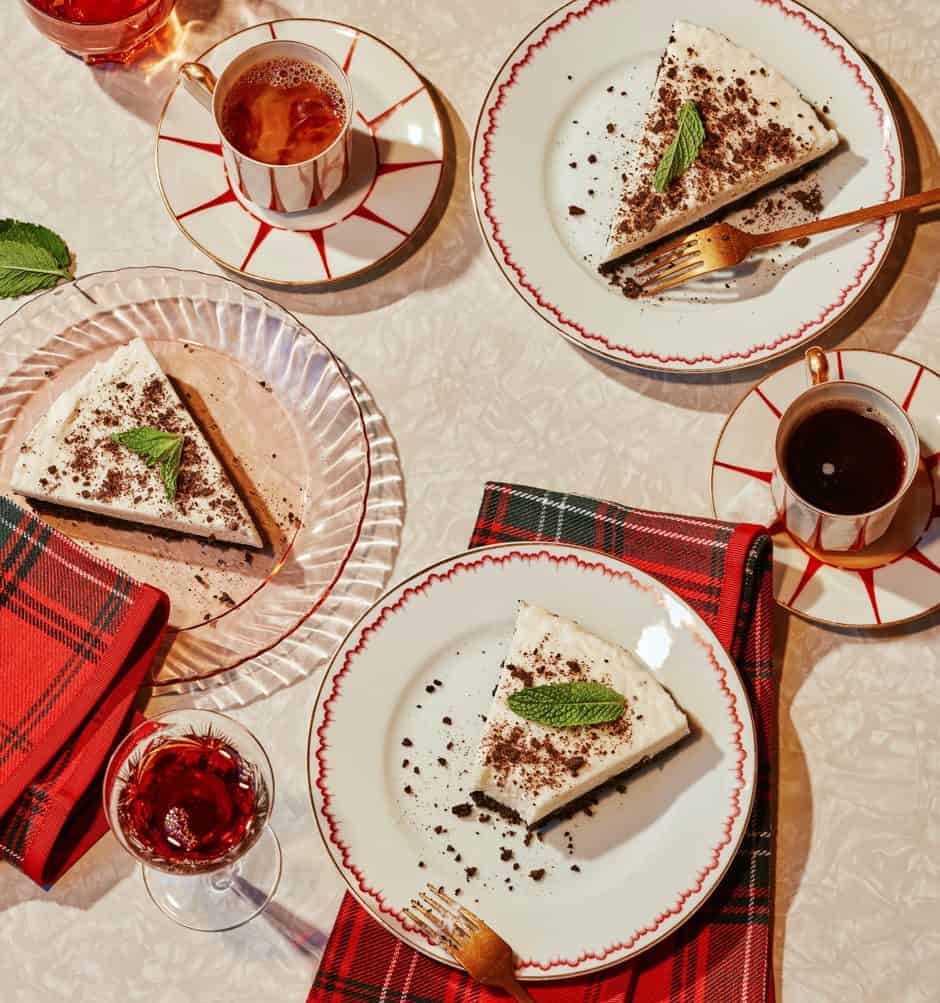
x,y
277,187
810,524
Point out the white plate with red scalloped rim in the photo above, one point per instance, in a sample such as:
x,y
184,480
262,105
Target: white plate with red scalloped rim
x,y
553,90
892,581
648,857
397,163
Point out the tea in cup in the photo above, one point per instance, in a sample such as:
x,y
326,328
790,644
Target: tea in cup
x,y
284,111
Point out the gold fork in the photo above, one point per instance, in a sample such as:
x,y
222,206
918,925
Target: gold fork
x,y
723,245
467,939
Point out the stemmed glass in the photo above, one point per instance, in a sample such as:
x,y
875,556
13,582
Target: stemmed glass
x,y
189,794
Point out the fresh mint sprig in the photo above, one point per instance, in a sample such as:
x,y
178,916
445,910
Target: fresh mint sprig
x,y
32,257
567,705
156,448
683,151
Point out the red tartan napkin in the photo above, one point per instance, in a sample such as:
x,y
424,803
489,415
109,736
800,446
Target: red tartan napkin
x,y
76,640
724,951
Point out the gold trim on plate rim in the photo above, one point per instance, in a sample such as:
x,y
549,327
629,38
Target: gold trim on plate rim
x,y
474,553
336,281
687,369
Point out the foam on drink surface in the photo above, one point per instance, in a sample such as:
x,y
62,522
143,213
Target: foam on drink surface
x,y
283,111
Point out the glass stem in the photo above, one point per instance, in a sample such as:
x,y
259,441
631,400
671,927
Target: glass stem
x,y
224,879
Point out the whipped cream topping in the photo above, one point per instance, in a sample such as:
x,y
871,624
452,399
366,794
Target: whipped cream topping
x,y
70,459
758,128
531,770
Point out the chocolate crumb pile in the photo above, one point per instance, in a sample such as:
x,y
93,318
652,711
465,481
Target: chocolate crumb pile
x,y
460,817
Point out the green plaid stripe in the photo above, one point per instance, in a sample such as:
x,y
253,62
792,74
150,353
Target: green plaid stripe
x,y
356,990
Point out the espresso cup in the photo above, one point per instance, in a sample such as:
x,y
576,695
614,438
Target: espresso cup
x,y
808,523
276,187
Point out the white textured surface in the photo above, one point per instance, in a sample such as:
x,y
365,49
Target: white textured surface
x,y
475,386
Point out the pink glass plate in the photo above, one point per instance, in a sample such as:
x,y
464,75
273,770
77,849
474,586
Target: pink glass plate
x,y
277,408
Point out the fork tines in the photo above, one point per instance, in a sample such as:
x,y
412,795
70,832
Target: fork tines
x,y
442,919
670,265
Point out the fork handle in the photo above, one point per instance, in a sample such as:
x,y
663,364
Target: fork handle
x,y
919,201
516,990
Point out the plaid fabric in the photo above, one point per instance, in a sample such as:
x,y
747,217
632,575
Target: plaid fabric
x,y
76,640
723,952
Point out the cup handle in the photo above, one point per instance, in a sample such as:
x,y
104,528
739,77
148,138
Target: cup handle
x,y
818,366
199,81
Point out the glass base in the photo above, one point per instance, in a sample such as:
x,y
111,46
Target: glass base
x,y
223,899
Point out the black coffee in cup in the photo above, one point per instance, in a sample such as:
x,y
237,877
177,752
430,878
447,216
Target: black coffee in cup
x,y
844,461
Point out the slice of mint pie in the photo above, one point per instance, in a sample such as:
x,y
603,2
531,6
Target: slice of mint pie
x,y
720,125
537,755
121,443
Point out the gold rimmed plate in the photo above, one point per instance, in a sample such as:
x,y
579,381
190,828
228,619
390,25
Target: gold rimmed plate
x,y
554,132
386,773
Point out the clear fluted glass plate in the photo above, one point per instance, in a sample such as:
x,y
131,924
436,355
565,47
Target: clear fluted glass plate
x,y
281,414
309,648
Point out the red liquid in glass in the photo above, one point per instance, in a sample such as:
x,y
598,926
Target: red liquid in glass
x,y
191,802
283,111
91,11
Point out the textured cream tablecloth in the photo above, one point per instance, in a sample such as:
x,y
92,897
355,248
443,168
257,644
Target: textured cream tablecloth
x,y
474,386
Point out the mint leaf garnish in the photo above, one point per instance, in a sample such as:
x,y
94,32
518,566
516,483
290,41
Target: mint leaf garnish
x,y
26,268
567,705
39,236
683,150
156,447
32,257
